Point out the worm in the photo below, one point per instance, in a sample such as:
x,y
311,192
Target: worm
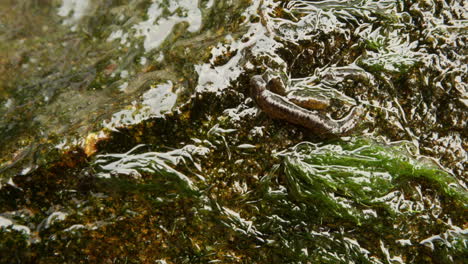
x,y
279,107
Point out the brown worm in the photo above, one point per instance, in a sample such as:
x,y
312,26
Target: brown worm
x,y
279,107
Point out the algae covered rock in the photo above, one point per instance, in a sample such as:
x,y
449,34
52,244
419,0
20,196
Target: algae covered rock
x,y
129,135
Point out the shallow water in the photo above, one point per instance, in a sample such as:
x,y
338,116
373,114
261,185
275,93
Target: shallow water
x,y
128,133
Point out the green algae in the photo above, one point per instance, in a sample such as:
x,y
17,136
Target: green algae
x,y
347,197
360,173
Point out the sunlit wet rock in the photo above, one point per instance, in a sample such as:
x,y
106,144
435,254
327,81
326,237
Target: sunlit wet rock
x,y
128,132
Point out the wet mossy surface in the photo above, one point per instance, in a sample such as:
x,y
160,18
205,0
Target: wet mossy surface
x,y
216,180
283,207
